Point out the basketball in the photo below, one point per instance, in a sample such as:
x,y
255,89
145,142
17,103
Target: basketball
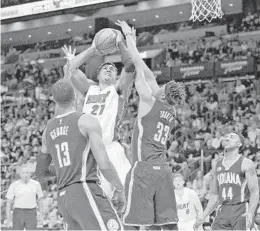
x,y
105,41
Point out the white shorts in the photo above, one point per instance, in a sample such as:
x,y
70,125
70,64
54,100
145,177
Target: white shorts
x,y
187,225
116,154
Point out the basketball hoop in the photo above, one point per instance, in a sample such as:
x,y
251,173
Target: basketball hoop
x,y
206,9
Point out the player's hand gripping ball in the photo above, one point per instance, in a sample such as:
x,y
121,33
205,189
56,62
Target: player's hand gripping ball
x,y
106,41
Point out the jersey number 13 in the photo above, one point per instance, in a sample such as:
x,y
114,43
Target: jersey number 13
x,y
63,154
162,133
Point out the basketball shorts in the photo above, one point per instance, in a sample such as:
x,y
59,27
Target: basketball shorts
x,y
116,154
229,217
84,207
150,196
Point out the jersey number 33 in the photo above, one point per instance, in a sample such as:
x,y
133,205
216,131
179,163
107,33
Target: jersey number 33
x,y
162,133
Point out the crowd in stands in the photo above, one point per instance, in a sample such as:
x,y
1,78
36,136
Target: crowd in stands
x,y
251,22
217,49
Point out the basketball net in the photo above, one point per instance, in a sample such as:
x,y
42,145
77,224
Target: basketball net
x,y
206,9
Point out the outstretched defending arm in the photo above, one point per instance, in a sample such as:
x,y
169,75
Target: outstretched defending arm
x,y
90,127
150,79
128,73
149,76
43,161
142,87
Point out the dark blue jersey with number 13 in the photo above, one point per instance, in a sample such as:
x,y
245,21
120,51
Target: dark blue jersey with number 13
x,y
151,132
70,150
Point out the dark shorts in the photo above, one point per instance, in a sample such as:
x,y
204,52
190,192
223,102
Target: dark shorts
x,y
150,196
84,206
229,217
24,218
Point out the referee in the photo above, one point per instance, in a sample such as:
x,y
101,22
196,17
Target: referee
x,y
23,194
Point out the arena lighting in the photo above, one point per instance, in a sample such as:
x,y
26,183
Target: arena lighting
x,y
157,16
231,4
134,19
69,30
90,26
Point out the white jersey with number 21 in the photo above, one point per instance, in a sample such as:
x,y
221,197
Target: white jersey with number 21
x,y
103,104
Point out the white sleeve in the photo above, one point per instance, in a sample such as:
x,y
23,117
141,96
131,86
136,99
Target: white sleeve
x,y
10,193
39,190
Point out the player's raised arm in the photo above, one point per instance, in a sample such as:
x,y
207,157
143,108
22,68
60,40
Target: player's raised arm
x,y
131,44
43,161
249,168
81,58
75,75
128,73
149,76
142,87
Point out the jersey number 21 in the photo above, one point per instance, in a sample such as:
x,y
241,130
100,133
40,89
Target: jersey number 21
x,y
63,154
162,133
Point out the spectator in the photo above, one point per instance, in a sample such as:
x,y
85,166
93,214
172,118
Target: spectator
x,y
240,87
23,193
217,140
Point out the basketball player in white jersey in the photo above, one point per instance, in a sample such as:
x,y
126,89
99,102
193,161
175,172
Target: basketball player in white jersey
x,y
188,204
103,101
